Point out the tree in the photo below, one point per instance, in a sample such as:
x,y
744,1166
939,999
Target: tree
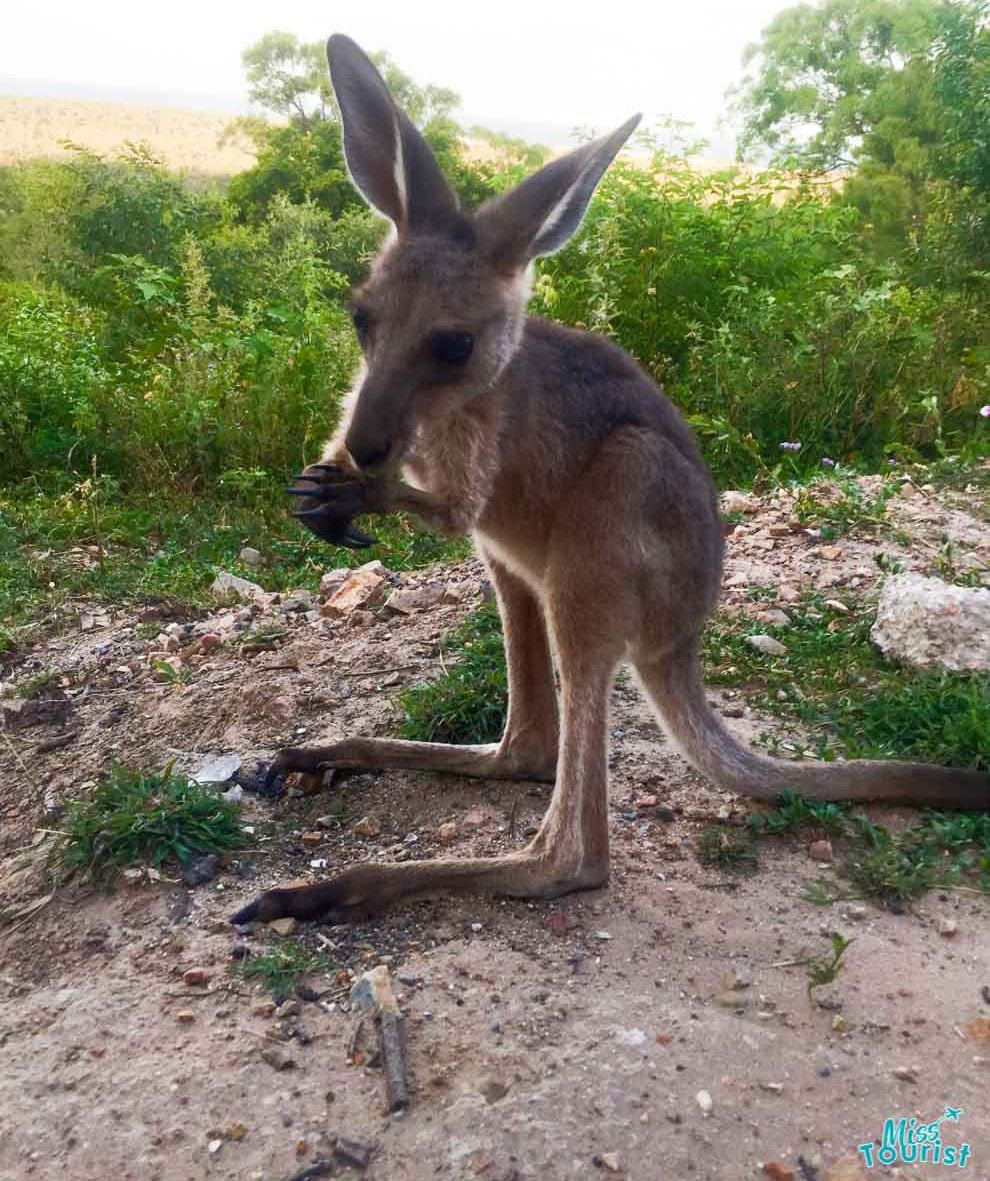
x,y
289,78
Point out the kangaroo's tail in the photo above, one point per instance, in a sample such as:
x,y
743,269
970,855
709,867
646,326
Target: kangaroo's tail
x,y
674,685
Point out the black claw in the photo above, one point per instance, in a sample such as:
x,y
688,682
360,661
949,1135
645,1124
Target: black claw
x,y
246,914
313,492
306,513
358,537
303,476
327,467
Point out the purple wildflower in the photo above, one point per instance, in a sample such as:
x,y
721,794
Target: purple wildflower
x,y
985,412
826,462
790,446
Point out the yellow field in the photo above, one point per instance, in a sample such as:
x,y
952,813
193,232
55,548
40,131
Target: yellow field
x,y
33,127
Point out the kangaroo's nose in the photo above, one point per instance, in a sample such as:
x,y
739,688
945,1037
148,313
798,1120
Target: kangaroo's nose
x,y
369,455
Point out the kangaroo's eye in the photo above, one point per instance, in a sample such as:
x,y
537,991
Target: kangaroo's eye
x,y
362,323
452,347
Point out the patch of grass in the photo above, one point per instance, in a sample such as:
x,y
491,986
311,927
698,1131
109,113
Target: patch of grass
x,y
728,847
171,545
35,685
281,968
468,703
834,681
793,812
939,850
136,817
825,969
835,516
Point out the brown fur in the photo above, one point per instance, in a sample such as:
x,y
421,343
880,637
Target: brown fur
x,y
586,496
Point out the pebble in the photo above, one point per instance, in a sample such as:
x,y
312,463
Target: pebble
x,y
611,1161
289,1008
602,936
195,976
250,556
352,1152
214,1147
839,1023
732,1000
704,1101
831,553
772,1088
312,839
837,606
820,851
284,926
367,826
907,1074
185,1016
740,977
277,1059
447,832
776,618
948,928
767,645
777,1172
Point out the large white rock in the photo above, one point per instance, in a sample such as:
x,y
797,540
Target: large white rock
x,y
931,624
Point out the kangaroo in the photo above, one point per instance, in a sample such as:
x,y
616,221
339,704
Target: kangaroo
x,y
584,491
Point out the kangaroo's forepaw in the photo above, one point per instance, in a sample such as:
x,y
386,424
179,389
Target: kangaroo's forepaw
x,y
330,499
351,897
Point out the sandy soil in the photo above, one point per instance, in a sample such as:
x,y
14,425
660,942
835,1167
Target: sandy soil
x,y
545,1040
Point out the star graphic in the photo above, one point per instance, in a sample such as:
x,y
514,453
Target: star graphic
x,y
953,1113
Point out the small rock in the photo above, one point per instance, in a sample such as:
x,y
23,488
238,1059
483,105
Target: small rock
x,y
200,868
704,1101
296,601
820,851
610,1161
447,832
233,795
194,976
602,936
775,617
250,556
778,1172
788,593
732,1000
739,502
364,588
907,1074
948,928
494,1090
410,602
263,1009
209,642
229,584
367,826
473,819
837,606
767,645
277,1059
839,1023
831,553
857,912
214,1147
928,623
773,1088
352,1152
185,1016
333,580
284,926
740,977
360,619
218,769
312,838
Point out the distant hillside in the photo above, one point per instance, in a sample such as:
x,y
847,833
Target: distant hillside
x,y
33,127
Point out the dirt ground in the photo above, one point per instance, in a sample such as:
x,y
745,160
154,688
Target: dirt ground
x,y
577,1039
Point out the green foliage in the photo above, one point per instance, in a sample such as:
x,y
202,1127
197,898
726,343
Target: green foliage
x,y
280,969
825,969
833,681
136,817
467,703
730,848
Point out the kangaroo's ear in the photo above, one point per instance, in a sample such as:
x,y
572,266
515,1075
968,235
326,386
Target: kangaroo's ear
x,y
540,214
389,161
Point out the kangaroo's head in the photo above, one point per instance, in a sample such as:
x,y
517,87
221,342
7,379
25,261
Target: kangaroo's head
x,y
442,311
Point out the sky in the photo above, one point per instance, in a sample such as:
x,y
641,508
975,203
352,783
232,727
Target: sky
x,y
537,68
